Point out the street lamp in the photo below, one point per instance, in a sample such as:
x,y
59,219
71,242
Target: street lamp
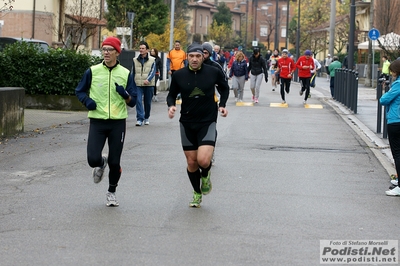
x,y
247,16
277,25
131,17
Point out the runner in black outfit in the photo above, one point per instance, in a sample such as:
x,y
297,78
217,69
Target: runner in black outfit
x,y
199,111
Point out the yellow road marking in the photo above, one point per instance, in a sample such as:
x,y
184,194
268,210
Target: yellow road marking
x,y
244,104
284,105
313,106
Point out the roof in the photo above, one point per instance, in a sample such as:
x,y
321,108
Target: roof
x,y
87,20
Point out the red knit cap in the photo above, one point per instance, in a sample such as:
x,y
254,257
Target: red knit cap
x,y
114,42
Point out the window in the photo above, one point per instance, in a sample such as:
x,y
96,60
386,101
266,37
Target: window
x,y
206,24
201,21
263,31
283,32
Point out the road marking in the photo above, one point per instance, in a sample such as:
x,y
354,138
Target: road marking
x,y
313,106
244,104
283,105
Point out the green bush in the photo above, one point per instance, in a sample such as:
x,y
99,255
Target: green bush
x,y
56,72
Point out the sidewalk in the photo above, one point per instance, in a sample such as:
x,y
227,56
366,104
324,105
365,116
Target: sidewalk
x,y
364,122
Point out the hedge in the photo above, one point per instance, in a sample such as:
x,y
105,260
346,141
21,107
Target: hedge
x,y
56,72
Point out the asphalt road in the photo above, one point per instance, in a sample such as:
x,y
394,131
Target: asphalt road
x,y
284,179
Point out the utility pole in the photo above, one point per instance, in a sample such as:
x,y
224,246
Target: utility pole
x,y
368,80
350,58
171,31
332,28
277,25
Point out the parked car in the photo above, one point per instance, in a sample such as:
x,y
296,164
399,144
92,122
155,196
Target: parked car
x,y
10,40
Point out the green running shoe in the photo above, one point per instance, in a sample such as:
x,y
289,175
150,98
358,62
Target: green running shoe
x,y
195,203
206,185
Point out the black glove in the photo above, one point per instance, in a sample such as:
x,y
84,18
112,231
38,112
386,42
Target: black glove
x,y
90,104
124,94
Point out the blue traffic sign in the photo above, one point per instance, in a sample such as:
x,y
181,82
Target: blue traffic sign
x,y
374,34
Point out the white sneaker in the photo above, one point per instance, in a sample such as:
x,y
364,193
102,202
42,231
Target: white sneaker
x,y
304,102
111,200
139,123
395,182
147,122
393,192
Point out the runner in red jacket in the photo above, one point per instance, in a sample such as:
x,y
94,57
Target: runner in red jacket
x,y
305,64
286,67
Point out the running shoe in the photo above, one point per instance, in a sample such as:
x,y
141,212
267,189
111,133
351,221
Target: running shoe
x,y
146,122
98,172
139,123
393,192
255,100
206,185
195,203
301,92
111,200
395,182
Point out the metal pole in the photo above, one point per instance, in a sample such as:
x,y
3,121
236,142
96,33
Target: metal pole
x,y
351,34
296,77
287,25
247,18
255,19
276,24
130,44
171,31
332,28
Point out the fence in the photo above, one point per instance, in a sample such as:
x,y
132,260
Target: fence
x,y
346,88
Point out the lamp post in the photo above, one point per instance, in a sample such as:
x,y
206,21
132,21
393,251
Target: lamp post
x,y
296,77
351,36
131,17
247,16
287,24
171,30
276,24
255,2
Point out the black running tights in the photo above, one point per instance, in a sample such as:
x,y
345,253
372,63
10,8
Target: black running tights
x,y
114,132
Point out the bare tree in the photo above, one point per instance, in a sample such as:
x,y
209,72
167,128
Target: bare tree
x,y
78,22
7,5
387,22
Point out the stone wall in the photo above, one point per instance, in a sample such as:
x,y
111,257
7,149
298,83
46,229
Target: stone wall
x,y
11,111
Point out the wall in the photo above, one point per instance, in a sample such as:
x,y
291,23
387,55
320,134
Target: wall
x,y
11,111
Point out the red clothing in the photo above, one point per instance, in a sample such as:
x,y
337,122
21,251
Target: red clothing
x,y
305,62
286,66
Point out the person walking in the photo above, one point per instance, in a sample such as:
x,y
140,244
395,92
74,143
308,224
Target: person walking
x,y
159,71
240,75
332,68
328,61
276,56
199,111
314,72
385,68
144,70
305,64
258,70
286,67
105,89
218,56
274,78
391,100
176,59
